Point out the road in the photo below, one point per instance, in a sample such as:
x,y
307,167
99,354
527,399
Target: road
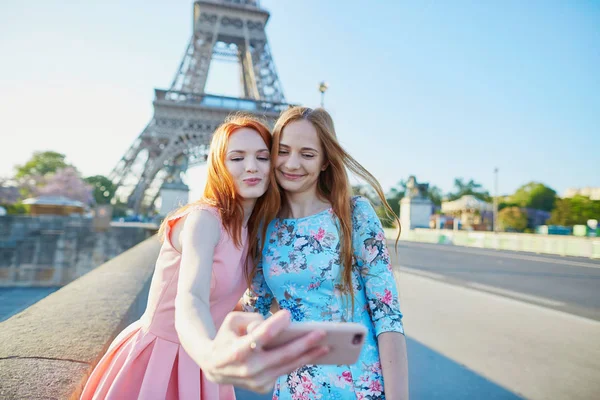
x,y
568,284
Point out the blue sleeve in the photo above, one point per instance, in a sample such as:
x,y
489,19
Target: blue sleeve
x,y
258,298
373,264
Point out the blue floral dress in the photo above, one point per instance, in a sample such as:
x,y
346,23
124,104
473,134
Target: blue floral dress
x,y
301,268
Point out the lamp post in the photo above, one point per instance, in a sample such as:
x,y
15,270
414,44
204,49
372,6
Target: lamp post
x,y
323,86
496,199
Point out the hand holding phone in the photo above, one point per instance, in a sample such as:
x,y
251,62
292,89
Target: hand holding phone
x,y
344,340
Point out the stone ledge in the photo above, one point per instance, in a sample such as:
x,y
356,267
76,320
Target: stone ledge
x,y
31,378
48,350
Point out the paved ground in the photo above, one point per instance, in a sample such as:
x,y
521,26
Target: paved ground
x,y
433,376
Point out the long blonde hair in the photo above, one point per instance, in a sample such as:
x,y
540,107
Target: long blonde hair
x,y
333,184
220,192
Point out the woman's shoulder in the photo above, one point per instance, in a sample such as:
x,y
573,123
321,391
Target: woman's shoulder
x,y
194,208
207,211
361,204
364,215
204,220
192,218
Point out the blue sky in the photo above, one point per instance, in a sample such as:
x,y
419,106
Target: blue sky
x,y
434,89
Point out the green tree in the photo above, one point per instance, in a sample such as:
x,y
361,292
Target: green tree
x,y
120,209
104,189
535,195
503,204
41,163
468,188
513,219
574,211
17,208
396,194
561,215
434,194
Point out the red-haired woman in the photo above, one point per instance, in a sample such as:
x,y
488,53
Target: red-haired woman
x,y
188,344
326,259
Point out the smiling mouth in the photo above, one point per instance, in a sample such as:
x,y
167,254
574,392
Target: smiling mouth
x,y
292,177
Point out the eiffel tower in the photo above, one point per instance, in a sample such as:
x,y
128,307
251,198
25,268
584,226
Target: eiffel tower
x,y
185,116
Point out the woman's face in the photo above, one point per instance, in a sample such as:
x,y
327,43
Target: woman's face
x,y
300,159
247,160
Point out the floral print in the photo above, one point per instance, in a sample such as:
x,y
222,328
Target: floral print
x,y
301,269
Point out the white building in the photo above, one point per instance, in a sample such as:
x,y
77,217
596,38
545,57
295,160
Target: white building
x,y
592,192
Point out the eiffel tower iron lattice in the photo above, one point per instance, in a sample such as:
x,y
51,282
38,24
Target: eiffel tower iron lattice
x,y
185,116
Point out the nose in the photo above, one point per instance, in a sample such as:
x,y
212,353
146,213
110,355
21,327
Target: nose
x,y
251,164
292,162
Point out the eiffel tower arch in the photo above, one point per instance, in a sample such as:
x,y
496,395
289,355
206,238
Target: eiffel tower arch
x,y
185,116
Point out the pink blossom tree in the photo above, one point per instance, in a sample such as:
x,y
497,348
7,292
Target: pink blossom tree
x,y
68,183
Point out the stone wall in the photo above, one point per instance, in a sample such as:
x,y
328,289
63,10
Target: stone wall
x,y
55,250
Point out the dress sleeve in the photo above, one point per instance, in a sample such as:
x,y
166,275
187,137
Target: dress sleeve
x,y
258,298
373,264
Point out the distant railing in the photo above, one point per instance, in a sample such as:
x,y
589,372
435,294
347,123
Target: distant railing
x,y
246,3
215,101
534,243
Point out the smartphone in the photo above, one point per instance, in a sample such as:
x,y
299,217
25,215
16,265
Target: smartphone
x,y
344,339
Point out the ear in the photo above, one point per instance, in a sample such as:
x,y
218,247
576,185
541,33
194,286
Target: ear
x,y
325,166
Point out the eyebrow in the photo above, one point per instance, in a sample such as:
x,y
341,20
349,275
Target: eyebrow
x,y
244,152
302,149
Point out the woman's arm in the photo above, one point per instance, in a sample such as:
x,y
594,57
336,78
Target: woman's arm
x,y
193,320
233,355
373,261
394,365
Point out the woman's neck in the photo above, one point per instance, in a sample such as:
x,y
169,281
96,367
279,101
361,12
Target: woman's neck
x,y
248,206
300,205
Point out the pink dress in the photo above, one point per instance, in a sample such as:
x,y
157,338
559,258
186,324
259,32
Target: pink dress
x,y
146,360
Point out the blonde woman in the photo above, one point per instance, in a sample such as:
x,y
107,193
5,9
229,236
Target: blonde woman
x,y
325,259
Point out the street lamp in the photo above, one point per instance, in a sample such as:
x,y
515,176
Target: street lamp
x,y
496,199
323,86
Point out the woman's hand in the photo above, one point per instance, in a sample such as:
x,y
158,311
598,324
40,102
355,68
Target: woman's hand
x,y
238,358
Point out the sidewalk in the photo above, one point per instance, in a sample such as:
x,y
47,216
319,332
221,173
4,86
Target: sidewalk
x,y
536,352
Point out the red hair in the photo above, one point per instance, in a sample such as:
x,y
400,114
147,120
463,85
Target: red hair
x,y
220,192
